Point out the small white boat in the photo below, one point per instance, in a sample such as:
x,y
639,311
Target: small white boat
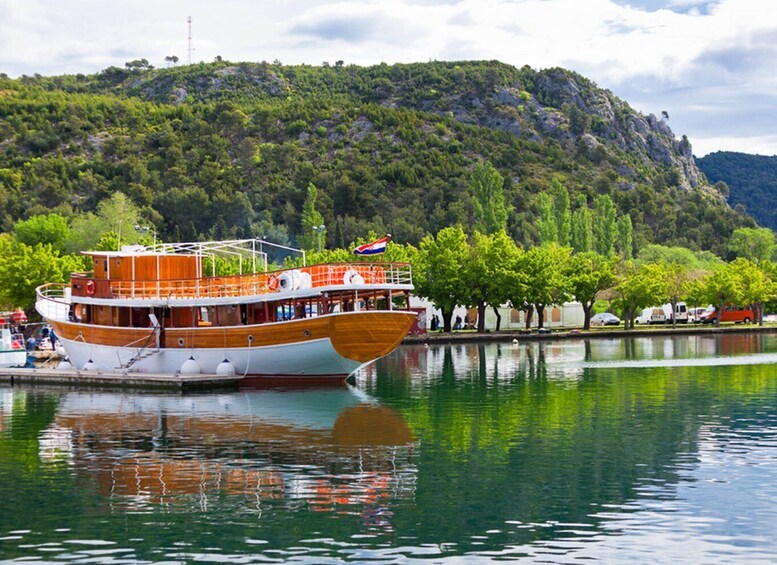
x,y
12,348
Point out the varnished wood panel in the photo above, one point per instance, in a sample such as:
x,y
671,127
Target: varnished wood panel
x,y
103,335
362,337
367,336
293,331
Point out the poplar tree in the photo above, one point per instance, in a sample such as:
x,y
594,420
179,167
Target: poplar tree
x,y
488,199
625,237
581,229
561,209
604,225
311,218
547,222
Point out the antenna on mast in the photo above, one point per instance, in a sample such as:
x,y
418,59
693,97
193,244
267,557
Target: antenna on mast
x,y
189,20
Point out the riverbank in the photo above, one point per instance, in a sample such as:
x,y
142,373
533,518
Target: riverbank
x,y
594,333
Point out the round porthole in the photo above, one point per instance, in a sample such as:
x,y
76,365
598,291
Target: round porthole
x,y
250,339
306,333
181,341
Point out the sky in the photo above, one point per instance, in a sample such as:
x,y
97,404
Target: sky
x,y
710,64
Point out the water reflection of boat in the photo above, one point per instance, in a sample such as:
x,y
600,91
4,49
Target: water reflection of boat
x,y
330,447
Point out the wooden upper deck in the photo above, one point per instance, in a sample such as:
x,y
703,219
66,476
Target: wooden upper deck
x,y
85,287
145,267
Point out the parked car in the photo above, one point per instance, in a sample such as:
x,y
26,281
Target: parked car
x,y
731,313
605,319
695,314
680,312
653,315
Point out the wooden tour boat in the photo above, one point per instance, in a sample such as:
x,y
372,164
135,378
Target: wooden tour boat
x,y
152,309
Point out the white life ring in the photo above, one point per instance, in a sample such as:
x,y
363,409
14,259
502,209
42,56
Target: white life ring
x,y
305,280
286,281
296,279
352,277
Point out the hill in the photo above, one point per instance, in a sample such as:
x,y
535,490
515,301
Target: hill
x,y
751,179
228,149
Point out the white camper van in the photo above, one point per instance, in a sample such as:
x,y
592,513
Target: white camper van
x,y
680,313
652,315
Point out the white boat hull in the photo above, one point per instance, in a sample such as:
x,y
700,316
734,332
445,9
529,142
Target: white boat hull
x,y
13,358
316,358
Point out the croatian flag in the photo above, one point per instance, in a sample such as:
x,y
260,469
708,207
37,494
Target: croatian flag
x,y
374,248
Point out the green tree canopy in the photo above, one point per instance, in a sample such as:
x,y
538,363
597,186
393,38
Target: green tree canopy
x,y
48,228
755,244
723,286
604,225
489,201
640,286
625,243
490,272
548,228
438,271
758,287
581,235
312,222
115,214
589,273
546,270
681,255
562,212
24,267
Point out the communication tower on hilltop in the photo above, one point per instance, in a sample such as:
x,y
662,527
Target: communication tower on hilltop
x,y
189,20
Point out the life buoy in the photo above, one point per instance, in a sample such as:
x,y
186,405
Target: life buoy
x,y
352,277
90,288
305,280
286,281
272,283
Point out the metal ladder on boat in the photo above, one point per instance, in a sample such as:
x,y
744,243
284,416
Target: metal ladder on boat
x,y
143,352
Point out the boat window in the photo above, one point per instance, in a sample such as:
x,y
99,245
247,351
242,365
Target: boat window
x,y
204,316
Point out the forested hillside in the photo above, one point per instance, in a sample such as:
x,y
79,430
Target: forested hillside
x,y
229,149
751,179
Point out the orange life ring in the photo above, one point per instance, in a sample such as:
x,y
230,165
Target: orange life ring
x,y
90,288
272,282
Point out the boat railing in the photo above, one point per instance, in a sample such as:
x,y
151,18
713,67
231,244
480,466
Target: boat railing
x,y
330,276
53,301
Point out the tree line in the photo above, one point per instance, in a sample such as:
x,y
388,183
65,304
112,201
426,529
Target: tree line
x,y
582,252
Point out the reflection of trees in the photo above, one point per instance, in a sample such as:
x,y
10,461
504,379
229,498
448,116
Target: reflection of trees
x,y
22,418
537,449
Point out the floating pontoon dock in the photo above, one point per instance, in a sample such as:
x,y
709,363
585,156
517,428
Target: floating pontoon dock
x,y
117,379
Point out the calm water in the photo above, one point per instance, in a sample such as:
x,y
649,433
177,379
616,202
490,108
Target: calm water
x,y
642,450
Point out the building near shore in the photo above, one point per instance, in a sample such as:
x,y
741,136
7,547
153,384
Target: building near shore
x,y
566,315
